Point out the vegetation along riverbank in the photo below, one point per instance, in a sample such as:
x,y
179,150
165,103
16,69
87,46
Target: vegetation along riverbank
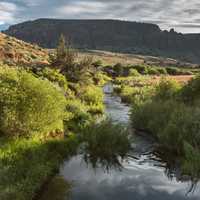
x,y
166,107
53,107
48,110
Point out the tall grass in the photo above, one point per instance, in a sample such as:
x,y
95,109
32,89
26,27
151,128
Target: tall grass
x,y
172,115
25,164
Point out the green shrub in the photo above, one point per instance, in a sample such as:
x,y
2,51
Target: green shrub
x,y
97,63
77,115
167,116
166,89
152,116
118,69
100,78
54,76
133,72
162,70
142,95
173,71
28,104
104,144
191,162
191,91
142,69
26,164
92,96
152,71
127,93
184,125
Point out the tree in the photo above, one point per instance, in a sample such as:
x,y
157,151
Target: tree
x,y
65,57
61,51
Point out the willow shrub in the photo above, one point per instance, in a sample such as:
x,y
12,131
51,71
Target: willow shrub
x,y
168,117
54,76
29,105
93,97
105,144
153,113
26,164
77,116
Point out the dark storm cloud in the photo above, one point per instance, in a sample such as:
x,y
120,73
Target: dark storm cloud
x,y
166,13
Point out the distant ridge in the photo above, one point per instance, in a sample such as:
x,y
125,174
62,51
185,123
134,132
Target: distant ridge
x,y
111,35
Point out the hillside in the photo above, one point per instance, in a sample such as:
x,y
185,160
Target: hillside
x,y
111,35
111,58
17,52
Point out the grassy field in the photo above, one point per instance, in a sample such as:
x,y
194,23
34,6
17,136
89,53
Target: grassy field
x,y
110,58
14,51
181,78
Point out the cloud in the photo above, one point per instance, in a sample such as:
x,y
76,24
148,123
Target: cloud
x,y
166,13
83,8
6,12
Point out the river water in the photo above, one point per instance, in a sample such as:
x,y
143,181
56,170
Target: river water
x,y
143,176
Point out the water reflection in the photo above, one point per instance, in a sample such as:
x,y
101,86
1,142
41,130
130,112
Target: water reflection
x,y
105,145
173,169
143,174
135,181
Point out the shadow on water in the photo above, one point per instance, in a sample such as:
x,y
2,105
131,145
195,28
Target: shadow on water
x,y
149,176
171,164
57,189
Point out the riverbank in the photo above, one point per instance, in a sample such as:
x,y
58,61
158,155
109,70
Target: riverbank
x,y
169,111
41,112
26,164
143,173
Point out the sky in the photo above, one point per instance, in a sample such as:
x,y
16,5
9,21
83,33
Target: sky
x,y
182,15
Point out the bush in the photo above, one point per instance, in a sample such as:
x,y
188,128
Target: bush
x,y
104,144
166,89
97,63
91,95
140,68
152,116
133,72
100,78
191,162
29,105
127,93
77,115
170,118
118,69
162,70
54,76
191,92
184,125
26,164
174,71
152,71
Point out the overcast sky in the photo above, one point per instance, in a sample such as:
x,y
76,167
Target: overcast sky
x,y
182,15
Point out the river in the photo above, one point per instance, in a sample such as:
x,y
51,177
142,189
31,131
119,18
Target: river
x,y
144,176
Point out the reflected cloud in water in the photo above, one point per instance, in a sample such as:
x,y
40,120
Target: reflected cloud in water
x,y
135,181
144,174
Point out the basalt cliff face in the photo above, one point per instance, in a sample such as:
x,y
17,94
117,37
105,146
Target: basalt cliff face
x,y
111,35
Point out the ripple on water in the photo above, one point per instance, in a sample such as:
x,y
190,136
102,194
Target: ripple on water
x,y
143,176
